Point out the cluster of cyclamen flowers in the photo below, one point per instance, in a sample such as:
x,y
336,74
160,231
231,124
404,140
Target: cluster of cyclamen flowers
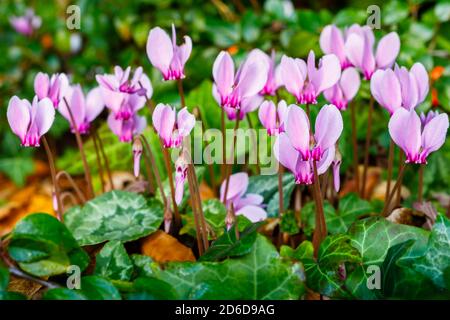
x,y
297,147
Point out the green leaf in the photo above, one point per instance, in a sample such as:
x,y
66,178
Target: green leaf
x,y
437,257
304,251
289,223
325,274
374,236
63,294
150,288
394,12
442,11
98,288
261,274
113,262
351,207
116,215
143,265
17,168
4,278
214,212
43,246
228,246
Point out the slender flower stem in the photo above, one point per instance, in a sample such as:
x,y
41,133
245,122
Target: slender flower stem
x,y
397,185
399,190
367,147
250,124
198,231
298,204
198,114
326,177
148,166
420,186
389,169
177,218
236,226
51,163
149,154
224,145
320,232
355,146
99,164
87,171
72,183
197,199
230,166
105,158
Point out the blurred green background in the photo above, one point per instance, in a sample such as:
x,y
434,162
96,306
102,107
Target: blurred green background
x,y
115,33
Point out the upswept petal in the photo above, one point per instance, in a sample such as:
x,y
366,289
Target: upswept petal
x,y
387,50
297,128
422,80
160,50
94,104
44,116
252,213
404,128
434,133
285,153
19,117
328,127
291,76
349,83
41,85
185,122
223,73
236,187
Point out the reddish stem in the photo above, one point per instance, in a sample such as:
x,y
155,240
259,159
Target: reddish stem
x,y
51,163
355,146
367,147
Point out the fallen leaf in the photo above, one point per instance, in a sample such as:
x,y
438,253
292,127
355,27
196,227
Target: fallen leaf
x,y
373,179
162,247
206,192
23,286
379,191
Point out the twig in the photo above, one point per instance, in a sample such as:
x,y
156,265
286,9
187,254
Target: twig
x,y
397,185
99,163
105,158
355,146
389,170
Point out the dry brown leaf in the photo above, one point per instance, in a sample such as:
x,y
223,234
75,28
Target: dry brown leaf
x,y
206,192
373,178
23,286
162,247
379,191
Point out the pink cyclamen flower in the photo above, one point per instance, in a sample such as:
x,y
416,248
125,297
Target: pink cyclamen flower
x,y
359,50
249,205
231,89
84,109
30,121
126,129
425,119
332,41
137,153
345,90
50,87
303,170
181,167
400,88
272,117
406,130
304,81
273,81
336,164
247,105
166,55
170,126
117,89
328,128
27,23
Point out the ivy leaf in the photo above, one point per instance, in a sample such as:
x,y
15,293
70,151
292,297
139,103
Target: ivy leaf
x,y
261,274
374,236
143,265
437,257
98,288
116,215
63,294
43,246
150,288
214,211
351,208
325,274
113,262
304,251
228,246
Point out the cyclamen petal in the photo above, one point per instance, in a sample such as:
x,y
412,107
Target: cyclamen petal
x,y
252,213
404,128
434,134
387,50
19,116
160,50
422,80
328,128
292,76
236,187
297,129
332,41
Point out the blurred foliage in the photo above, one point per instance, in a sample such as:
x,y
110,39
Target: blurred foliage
x,y
115,33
